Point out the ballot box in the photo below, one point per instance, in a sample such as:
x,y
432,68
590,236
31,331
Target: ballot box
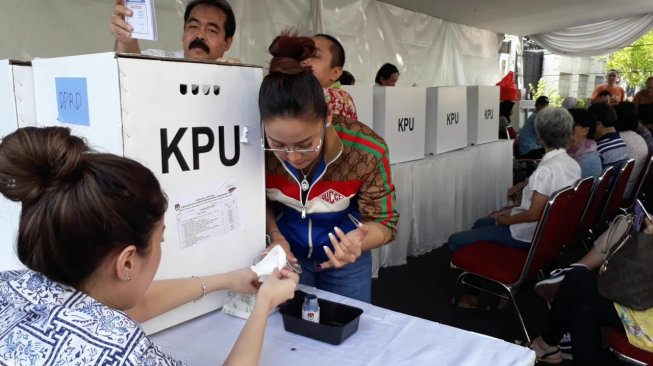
x,y
16,95
399,117
363,97
16,109
482,114
196,125
446,119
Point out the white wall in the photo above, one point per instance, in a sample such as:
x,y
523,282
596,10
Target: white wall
x,y
572,76
427,50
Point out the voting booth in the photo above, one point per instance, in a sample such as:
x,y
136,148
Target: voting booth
x,y
16,109
446,119
197,127
399,117
363,97
482,114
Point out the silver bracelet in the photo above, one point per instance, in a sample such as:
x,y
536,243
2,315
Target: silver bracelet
x,y
203,288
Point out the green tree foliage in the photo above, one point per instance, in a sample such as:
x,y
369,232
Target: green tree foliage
x,y
634,63
555,99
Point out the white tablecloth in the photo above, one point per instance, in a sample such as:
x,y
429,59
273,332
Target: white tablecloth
x,y
384,337
443,194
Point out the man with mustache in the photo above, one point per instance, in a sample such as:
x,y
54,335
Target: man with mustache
x,y
209,27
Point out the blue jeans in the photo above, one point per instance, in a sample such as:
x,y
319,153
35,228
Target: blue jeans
x,y
353,280
485,229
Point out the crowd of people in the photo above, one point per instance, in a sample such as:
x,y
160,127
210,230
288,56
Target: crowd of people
x,y
607,134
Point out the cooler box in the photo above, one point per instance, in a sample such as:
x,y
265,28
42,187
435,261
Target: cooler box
x,y
446,119
399,117
197,127
482,114
364,100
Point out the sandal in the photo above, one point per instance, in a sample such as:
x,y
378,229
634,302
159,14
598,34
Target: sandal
x,y
541,355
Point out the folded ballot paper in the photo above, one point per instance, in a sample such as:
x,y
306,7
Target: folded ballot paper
x,y
241,305
143,19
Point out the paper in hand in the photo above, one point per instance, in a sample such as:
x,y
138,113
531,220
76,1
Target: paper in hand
x,y
276,258
143,19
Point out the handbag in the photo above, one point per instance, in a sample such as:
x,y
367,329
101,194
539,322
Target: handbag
x,y
626,275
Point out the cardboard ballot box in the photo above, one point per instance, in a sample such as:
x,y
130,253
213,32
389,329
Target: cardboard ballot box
x,y
197,127
482,114
399,117
446,119
16,95
363,97
16,109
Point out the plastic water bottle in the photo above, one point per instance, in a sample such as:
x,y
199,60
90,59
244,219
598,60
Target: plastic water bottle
x,y
311,309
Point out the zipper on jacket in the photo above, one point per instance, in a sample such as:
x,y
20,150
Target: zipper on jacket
x,y
310,238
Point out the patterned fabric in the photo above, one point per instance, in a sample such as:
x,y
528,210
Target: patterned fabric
x,y
613,151
637,150
353,177
340,102
638,326
46,323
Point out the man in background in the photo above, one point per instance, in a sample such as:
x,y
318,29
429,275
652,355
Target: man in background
x,y
528,145
645,96
616,92
209,27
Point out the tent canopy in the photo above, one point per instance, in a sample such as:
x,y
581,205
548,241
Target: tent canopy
x,y
527,17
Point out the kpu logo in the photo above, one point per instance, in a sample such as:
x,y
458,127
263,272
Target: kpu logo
x,y
405,123
331,196
452,118
489,114
195,89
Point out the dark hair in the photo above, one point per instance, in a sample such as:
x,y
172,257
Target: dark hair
x,y
542,100
505,108
347,78
223,5
605,93
604,113
645,112
385,72
584,118
290,89
627,118
336,49
78,206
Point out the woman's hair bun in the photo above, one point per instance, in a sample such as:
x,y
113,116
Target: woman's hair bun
x,y
33,160
288,50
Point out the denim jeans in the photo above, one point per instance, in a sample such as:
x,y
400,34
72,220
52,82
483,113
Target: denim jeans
x,y
485,229
353,280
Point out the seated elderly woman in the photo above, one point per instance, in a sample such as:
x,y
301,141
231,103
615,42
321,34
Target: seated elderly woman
x,y
582,146
90,234
515,227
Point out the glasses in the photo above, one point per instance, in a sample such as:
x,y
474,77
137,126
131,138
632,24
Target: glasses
x,y
286,150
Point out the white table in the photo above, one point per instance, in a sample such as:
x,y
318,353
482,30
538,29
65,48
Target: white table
x,y
444,194
384,337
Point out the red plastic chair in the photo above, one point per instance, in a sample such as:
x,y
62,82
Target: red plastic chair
x,y
583,191
592,214
510,267
619,345
645,179
617,194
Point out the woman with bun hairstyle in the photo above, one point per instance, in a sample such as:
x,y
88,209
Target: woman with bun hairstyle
x,y
90,234
324,174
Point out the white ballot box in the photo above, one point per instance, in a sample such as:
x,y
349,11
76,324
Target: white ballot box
x,y
16,109
446,119
399,117
197,127
16,95
482,114
363,97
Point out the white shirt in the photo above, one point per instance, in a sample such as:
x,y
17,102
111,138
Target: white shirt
x,y
556,170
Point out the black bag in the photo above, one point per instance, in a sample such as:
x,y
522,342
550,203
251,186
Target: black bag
x,y
626,275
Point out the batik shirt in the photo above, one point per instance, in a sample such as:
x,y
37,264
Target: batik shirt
x,y
46,323
340,102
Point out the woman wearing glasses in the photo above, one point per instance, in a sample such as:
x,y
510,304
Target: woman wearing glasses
x,y
325,174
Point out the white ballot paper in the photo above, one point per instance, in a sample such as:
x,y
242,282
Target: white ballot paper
x,y
143,19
